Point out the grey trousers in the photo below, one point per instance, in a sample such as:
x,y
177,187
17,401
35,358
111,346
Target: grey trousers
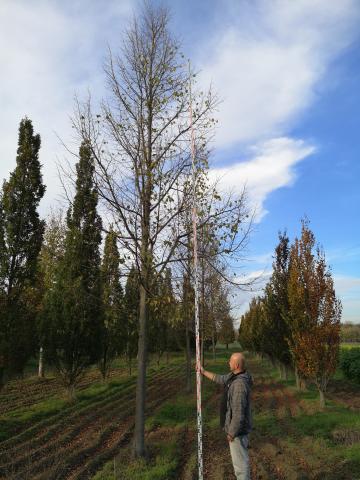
x,y
240,457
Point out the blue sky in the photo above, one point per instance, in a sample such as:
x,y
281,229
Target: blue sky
x,y
288,74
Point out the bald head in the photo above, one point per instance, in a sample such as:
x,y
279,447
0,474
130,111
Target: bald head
x,y
237,362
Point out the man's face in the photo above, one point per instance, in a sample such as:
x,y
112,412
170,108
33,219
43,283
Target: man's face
x,y
232,363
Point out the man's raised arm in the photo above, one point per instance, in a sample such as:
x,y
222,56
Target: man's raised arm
x,y
220,379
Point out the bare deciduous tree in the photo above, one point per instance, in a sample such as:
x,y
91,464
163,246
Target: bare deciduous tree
x,y
140,142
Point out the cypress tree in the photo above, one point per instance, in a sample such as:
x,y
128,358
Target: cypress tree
x,y
277,306
52,252
114,340
131,315
21,234
162,311
74,305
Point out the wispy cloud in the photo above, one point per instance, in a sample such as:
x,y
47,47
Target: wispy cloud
x,y
267,60
271,166
48,52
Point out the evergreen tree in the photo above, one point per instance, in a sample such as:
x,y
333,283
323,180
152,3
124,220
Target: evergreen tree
x,y
51,255
74,306
226,324
131,315
162,313
114,340
21,233
277,306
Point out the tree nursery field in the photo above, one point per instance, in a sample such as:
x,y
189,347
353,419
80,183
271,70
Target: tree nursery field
x,y
44,436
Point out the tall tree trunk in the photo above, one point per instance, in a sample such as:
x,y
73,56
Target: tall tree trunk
x,y
300,381
284,371
71,393
213,346
202,311
139,440
41,364
2,379
297,378
322,398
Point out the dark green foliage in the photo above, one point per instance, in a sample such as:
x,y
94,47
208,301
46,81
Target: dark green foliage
x,y
350,363
114,339
226,331
73,306
276,304
162,314
21,233
21,197
131,316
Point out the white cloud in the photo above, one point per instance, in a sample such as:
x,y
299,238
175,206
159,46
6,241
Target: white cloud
x,y
267,60
270,167
48,52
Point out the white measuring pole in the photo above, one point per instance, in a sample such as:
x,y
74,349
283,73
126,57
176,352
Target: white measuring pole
x,y
196,289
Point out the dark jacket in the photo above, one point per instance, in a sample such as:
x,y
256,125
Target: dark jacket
x,y
238,419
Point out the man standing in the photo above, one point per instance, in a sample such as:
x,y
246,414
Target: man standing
x,y
235,412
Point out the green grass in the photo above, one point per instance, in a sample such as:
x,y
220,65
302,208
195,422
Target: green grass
x,y
174,415
323,423
162,465
15,419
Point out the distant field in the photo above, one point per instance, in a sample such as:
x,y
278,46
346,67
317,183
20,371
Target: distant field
x,y
350,345
45,438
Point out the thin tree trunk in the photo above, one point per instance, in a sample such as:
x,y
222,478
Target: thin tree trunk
x,y
2,379
297,378
284,371
71,392
41,364
322,398
139,439
300,381
213,346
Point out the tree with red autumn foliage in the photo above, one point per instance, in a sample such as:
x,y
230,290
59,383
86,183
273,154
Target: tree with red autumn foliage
x,y
314,313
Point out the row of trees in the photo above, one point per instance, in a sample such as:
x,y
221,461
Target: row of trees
x,y
350,332
297,321
70,300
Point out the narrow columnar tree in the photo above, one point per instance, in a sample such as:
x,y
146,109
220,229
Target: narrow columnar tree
x,y
222,307
21,233
113,303
315,313
162,312
51,254
277,306
74,306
